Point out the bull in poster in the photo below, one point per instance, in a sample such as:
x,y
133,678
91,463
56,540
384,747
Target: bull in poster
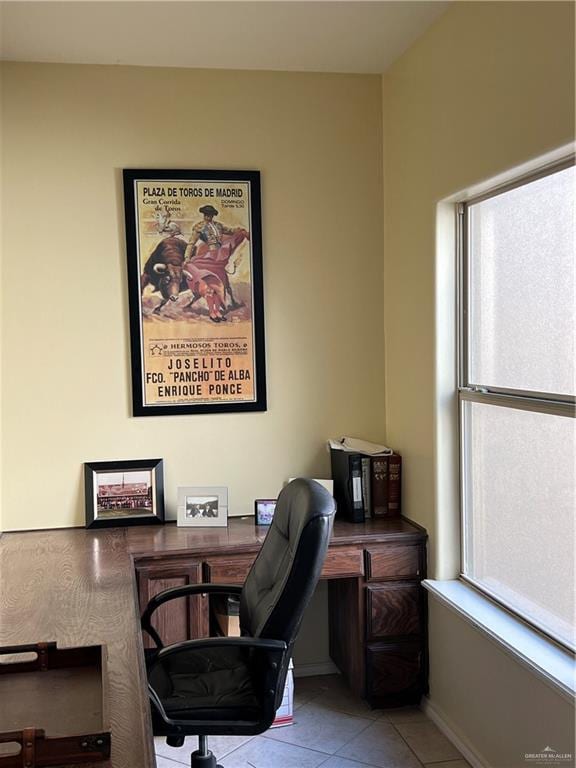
x,y
195,289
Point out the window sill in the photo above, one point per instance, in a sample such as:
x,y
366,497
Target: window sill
x,y
554,665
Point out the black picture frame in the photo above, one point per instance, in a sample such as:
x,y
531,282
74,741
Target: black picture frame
x,y
179,331
261,515
129,503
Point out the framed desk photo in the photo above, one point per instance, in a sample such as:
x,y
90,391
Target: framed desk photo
x,y
194,245
124,493
205,507
264,511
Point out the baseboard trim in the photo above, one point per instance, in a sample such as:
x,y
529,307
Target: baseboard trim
x,y
310,670
439,718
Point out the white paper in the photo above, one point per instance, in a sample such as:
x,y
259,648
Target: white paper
x,y
355,445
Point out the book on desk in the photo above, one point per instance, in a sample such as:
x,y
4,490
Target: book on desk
x,y
366,486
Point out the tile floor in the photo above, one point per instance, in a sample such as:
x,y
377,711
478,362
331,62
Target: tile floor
x,y
332,729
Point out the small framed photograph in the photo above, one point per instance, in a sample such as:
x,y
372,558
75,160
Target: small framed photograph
x,y
205,507
264,511
124,492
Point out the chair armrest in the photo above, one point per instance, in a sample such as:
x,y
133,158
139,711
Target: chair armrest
x,y
157,705
257,643
175,592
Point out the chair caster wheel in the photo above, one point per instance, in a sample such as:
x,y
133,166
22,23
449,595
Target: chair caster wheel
x,y
175,741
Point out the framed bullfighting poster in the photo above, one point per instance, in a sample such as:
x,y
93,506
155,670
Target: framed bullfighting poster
x,y
194,242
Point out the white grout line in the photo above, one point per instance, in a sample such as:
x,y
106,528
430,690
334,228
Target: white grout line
x,y
420,762
169,758
329,754
218,757
349,759
299,746
226,754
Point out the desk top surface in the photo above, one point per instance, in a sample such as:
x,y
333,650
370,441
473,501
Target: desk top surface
x,y
77,587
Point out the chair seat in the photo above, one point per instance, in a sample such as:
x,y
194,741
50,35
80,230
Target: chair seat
x,y
208,684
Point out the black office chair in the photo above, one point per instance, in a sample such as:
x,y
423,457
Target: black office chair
x,y
234,685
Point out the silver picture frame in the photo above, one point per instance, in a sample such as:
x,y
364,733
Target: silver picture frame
x,y
202,506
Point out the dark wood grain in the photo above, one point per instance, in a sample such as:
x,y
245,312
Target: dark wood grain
x,y
346,630
242,535
396,673
342,562
225,570
393,610
394,561
183,619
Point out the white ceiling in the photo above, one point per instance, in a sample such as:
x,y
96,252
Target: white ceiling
x,y
325,36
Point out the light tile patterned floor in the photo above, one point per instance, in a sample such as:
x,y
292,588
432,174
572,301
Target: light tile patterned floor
x,y
332,729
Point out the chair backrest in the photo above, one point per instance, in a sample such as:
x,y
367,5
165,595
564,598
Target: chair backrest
x,y
286,571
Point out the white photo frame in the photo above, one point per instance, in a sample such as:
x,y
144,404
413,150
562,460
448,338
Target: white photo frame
x,y
203,506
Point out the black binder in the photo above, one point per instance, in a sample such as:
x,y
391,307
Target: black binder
x,y
349,492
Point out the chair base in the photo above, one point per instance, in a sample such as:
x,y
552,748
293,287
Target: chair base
x,y
175,741
203,760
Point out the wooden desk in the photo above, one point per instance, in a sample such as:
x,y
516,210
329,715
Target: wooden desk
x,y
78,587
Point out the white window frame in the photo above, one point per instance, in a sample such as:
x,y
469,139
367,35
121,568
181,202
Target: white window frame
x,y
528,400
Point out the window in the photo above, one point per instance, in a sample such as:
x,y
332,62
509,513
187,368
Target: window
x,y
517,375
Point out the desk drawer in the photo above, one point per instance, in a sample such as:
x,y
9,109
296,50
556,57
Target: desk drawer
x,y
395,673
231,570
393,611
338,564
395,561
341,563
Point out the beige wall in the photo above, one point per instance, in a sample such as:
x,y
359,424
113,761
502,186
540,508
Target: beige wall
x,y
68,130
488,87
489,699
311,649
1,271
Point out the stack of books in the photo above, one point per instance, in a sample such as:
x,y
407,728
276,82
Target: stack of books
x,y
367,479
